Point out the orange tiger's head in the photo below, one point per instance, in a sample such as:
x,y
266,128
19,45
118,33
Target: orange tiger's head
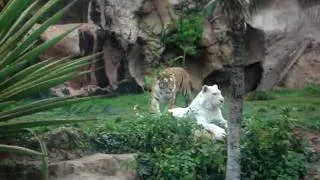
x,y
167,86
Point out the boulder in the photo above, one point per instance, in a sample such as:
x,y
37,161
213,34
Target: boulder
x,y
65,89
83,40
74,44
93,167
63,143
306,70
96,167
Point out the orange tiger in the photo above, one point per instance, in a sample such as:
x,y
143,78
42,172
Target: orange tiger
x,y
167,84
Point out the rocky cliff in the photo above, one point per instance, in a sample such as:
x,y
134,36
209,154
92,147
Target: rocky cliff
x,y
291,29
282,42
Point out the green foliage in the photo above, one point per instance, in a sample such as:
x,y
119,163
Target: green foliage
x,y
187,32
149,79
313,89
270,150
144,134
304,107
22,76
168,149
266,130
259,96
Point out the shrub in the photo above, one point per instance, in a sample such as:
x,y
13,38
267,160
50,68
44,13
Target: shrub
x,y
144,134
167,148
271,151
259,96
186,33
313,89
149,79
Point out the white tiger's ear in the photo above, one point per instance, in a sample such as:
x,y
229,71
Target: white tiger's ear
x,y
204,88
215,86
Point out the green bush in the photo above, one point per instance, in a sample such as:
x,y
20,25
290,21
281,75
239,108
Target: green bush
x,y
186,33
271,151
313,89
149,79
167,148
259,96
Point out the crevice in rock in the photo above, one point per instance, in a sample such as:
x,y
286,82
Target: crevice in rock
x,y
253,75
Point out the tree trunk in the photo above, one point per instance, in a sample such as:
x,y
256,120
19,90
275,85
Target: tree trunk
x,y
184,58
236,100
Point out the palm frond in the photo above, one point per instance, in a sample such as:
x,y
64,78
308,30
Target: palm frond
x,y
18,35
19,125
45,163
41,105
21,75
18,150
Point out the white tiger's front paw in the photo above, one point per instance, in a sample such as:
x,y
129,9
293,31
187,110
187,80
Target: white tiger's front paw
x,y
225,124
178,112
218,132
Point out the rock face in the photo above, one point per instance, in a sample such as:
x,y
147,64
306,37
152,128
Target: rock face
x,y
290,35
63,143
134,29
133,44
95,167
282,41
127,45
306,70
70,158
81,41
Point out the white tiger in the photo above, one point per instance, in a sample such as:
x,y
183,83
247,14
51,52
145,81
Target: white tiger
x,y
206,109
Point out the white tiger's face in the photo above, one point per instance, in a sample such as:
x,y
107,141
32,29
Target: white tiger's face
x,y
166,87
212,95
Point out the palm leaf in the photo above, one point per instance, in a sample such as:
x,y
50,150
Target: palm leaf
x,y
18,22
43,47
7,46
11,13
33,87
45,164
18,150
57,75
21,76
21,124
8,71
41,105
18,75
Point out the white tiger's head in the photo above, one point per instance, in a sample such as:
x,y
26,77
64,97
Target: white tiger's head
x,y
167,86
212,96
